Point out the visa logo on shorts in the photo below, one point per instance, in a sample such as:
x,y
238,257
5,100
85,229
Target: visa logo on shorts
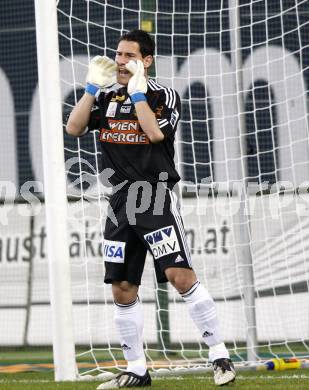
x,y
113,251
162,242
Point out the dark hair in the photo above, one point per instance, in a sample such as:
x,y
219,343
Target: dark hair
x,y
146,43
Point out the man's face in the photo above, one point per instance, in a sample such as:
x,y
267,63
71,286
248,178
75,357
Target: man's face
x,y
126,51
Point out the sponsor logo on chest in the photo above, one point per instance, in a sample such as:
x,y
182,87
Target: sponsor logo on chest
x,y
118,98
125,109
111,109
127,101
113,251
162,242
123,132
123,125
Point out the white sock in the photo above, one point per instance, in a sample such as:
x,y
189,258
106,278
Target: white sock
x,y
203,313
129,323
218,351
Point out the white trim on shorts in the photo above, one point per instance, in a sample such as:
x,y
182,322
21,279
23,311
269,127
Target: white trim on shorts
x,y
179,224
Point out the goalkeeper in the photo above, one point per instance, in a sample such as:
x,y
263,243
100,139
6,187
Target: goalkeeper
x,y
137,119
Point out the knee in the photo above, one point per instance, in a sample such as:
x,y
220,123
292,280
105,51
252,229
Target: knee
x,y
181,278
124,292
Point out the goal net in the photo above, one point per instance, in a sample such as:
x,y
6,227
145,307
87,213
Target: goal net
x,y
241,70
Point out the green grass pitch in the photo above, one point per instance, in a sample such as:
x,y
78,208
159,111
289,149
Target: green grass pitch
x,y
287,380
44,379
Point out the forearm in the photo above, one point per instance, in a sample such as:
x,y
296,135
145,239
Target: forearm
x,y
148,122
137,88
80,115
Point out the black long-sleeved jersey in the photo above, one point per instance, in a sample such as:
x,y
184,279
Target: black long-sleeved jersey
x,y
125,147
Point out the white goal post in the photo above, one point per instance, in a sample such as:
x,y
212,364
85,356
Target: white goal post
x,y
241,69
55,190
